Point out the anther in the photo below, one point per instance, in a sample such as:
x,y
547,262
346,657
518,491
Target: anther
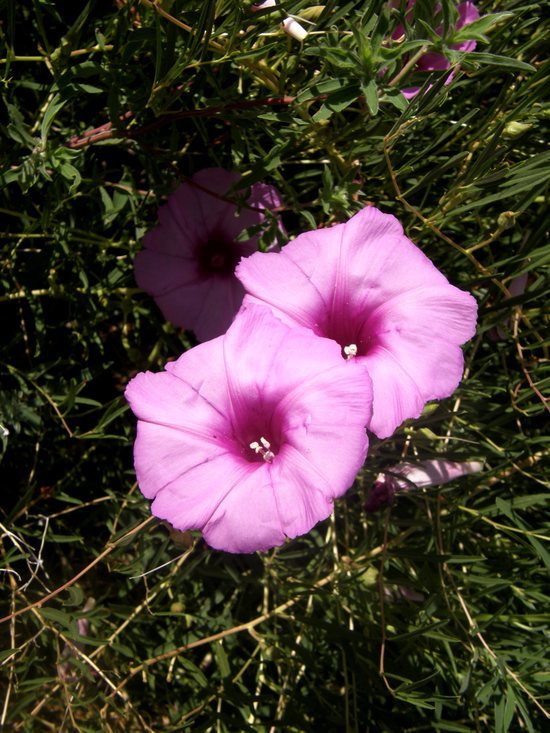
x,y
263,449
350,351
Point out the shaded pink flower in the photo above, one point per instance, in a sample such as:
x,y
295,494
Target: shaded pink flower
x,y
433,61
402,593
187,262
65,669
368,287
405,476
251,436
515,287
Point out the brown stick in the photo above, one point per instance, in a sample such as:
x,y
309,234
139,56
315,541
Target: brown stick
x,y
110,547
107,132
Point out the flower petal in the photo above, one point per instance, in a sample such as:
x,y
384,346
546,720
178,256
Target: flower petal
x,y
302,493
289,367
166,398
433,473
191,499
420,332
206,307
178,428
433,62
396,396
335,455
381,260
467,13
159,273
212,186
273,278
180,224
315,275
247,519
166,457
202,370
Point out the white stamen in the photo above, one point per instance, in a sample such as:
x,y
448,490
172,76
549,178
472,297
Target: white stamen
x,y
350,351
263,449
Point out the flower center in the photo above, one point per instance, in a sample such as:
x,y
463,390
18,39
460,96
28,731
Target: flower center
x,y
258,429
348,352
218,255
353,329
262,448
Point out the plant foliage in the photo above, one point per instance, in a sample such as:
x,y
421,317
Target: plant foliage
x,y
428,616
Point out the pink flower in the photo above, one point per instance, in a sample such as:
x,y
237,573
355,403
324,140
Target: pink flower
x,y
433,61
251,436
368,287
405,476
515,287
263,5
187,262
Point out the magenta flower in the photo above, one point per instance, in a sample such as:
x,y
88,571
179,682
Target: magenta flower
x,y
187,262
368,287
251,436
405,476
433,61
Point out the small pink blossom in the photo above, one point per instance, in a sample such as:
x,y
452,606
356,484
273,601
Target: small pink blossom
x,y
187,262
290,25
368,287
264,5
433,61
65,669
251,436
405,476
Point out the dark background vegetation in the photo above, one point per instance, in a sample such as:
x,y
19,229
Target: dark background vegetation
x,y
428,616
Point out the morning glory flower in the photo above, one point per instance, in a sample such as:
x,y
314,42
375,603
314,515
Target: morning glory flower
x,y
251,436
406,476
433,61
365,285
187,262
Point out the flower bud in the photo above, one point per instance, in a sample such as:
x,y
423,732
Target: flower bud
x,y
294,29
515,129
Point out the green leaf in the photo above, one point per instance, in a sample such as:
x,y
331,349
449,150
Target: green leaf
x,y
493,59
480,27
370,92
55,105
